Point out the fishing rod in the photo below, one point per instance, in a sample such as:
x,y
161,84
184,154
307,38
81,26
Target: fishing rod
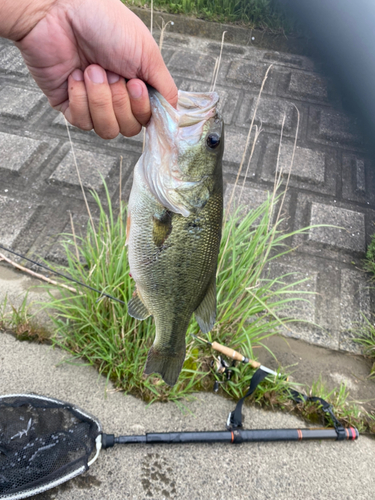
x,y
236,356
45,442
235,418
62,275
235,436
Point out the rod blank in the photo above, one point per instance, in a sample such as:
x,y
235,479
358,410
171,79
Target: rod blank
x,y
236,436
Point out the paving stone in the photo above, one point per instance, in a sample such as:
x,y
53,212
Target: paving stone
x,y
327,312
91,166
57,252
308,165
214,48
247,74
235,143
16,151
19,103
308,85
248,198
11,61
312,169
189,63
360,175
15,215
289,60
350,235
358,178
270,113
331,126
60,120
297,309
354,304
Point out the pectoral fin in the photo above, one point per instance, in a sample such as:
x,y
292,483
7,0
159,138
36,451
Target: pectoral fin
x,y
205,314
137,309
162,227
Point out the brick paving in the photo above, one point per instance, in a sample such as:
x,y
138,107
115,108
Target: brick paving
x,y
332,181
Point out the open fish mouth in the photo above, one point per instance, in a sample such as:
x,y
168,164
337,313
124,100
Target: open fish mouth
x,y
171,134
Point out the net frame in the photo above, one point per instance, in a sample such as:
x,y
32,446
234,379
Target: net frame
x,y
83,462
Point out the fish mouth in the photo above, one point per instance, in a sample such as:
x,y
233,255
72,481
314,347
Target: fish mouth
x,y
187,119
170,133
192,107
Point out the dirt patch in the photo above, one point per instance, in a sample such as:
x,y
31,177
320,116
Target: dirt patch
x,y
307,363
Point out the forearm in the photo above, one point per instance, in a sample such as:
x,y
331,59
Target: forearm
x,y
18,17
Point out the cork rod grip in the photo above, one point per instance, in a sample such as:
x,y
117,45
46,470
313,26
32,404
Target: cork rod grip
x,y
227,351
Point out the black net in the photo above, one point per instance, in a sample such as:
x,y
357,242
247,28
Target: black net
x,y
43,442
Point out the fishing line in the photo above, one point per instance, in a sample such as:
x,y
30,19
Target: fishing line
x,y
63,275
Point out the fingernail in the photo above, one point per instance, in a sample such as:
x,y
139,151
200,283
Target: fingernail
x,y
77,75
96,74
112,77
135,90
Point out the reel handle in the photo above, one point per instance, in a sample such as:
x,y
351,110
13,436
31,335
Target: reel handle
x,y
231,353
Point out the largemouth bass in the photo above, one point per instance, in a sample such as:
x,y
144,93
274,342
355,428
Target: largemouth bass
x,y
174,224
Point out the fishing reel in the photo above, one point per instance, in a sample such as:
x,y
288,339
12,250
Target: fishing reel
x,y
223,368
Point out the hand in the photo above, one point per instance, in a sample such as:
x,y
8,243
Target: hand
x,y
81,51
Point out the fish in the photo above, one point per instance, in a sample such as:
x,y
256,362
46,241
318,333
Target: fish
x,y
174,222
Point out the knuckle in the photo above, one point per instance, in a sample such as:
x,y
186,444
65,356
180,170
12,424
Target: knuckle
x,y
108,133
120,100
83,125
100,101
130,130
79,120
78,99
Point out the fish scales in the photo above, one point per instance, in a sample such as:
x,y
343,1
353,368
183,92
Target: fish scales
x,y
173,256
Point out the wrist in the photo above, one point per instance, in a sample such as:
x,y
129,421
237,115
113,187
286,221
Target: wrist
x,y
18,18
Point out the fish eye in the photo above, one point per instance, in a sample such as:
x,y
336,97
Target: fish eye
x,y
213,140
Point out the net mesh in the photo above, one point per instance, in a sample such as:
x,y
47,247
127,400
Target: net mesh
x,y
42,442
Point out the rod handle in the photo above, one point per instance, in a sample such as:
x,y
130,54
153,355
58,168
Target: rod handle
x,y
231,353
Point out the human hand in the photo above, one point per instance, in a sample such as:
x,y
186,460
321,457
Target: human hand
x,y
66,48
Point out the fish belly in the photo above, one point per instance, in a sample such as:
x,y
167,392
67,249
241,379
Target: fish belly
x,y
173,261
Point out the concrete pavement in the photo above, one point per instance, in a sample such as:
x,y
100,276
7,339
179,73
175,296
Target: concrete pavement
x,y
258,471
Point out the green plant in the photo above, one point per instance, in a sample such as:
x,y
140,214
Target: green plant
x,y
369,263
262,14
348,412
21,323
101,331
365,336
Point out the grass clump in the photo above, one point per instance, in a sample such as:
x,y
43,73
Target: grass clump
x,y
369,263
270,15
349,413
365,334
101,332
21,323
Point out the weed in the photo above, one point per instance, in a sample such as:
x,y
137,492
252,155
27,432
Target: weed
x,y
365,331
21,323
262,14
369,263
365,336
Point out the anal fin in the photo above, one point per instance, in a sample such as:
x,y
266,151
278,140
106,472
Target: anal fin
x,y
205,313
137,309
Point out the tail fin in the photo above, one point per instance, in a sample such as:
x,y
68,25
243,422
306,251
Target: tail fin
x,y
169,366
